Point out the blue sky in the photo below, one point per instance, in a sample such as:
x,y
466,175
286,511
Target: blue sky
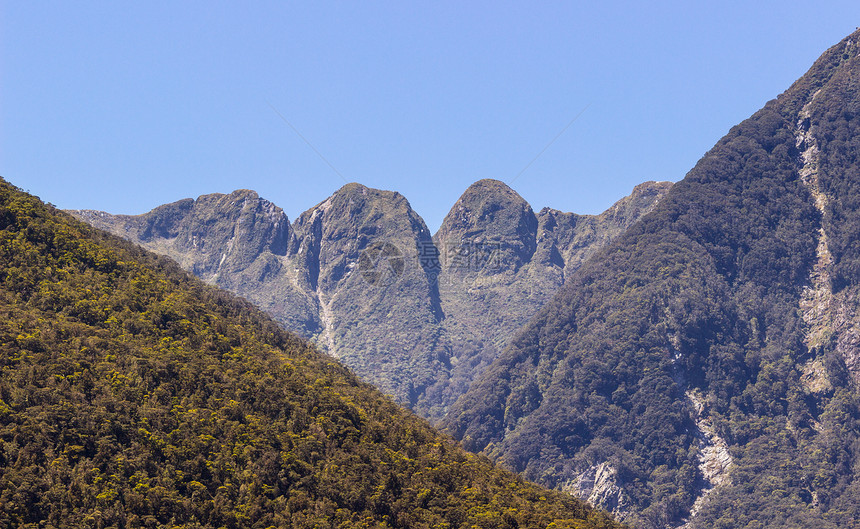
x,y
123,106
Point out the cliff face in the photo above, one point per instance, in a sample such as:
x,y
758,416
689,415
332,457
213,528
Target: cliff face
x,y
418,316
357,254
213,235
345,274
237,241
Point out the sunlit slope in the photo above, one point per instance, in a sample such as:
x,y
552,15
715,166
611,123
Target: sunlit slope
x,y
132,395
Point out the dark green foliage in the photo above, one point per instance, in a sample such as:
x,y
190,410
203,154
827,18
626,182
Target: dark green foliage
x,y
134,396
703,294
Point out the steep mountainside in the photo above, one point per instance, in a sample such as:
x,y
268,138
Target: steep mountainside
x,y
703,369
132,395
345,274
359,274
500,263
377,305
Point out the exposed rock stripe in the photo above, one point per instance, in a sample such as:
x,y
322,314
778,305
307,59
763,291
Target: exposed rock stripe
x,y
714,458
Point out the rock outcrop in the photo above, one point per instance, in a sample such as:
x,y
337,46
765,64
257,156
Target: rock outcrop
x,y
598,485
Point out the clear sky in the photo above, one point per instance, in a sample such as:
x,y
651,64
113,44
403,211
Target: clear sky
x,y
122,106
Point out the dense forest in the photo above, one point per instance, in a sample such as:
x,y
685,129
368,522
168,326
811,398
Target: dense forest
x,y
132,395
732,307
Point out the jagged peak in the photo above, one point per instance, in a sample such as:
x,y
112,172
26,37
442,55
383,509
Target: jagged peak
x,y
488,187
356,193
485,203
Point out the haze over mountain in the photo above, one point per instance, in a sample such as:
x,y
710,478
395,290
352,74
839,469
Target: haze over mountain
x,y
132,395
418,316
703,370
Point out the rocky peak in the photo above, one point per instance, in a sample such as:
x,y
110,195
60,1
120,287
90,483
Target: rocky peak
x,y
359,211
489,214
215,233
228,232
360,274
258,225
335,232
379,309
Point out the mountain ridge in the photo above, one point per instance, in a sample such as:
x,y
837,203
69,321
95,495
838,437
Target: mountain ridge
x,y
702,369
361,274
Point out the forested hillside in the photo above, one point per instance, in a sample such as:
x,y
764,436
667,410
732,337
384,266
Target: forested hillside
x,y
703,369
132,395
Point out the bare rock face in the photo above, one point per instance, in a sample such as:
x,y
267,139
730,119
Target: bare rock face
x,y
214,234
418,316
358,256
345,274
713,452
237,241
598,485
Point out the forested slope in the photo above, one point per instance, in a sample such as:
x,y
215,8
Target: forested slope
x,y
132,395
704,368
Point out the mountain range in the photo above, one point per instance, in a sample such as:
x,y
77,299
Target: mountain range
x,y
418,316
701,368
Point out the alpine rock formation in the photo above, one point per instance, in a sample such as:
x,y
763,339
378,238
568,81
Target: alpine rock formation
x,y
702,370
418,316
338,275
